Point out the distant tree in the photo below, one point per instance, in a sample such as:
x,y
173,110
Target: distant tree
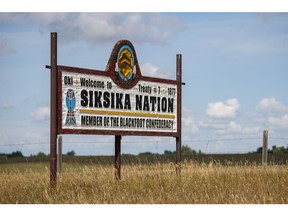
x,y
41,154
71,153
277,150
166,152
259,150
15,154
186,150
274,150
145,153
128,155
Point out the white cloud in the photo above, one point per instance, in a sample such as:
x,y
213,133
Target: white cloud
x,y
46,19
241,36
225,126
148,69
278,123
271,105
227,109
273,114
235,128
213,123
105,27
4,105
189,123
41,113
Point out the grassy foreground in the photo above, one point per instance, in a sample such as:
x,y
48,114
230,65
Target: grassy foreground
x,y
198,184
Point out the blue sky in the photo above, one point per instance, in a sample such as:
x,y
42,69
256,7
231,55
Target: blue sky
x,y
235,66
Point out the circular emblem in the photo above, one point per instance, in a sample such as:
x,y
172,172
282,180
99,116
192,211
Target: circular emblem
x,y
125,67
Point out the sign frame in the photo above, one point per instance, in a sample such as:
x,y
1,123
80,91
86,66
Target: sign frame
x,y
103,131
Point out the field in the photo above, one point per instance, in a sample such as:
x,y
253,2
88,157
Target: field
x,y
92,181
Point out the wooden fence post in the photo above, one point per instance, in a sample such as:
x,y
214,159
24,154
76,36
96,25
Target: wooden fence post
x,y
265,148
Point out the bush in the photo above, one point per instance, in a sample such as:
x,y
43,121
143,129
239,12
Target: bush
x,y
71,153
15,154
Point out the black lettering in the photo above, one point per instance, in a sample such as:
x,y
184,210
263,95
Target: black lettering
x,y
146,103
127,103
106,98
138,102
98,95
84,99
153,102
68,80
83,119
90,83
65,80
82,81
90,98
170,105
92,120
164,104
112,101
119,104
158,103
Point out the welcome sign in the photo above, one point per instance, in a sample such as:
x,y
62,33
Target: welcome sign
x,y
118,100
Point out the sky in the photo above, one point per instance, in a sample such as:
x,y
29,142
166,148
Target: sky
x,y
234,65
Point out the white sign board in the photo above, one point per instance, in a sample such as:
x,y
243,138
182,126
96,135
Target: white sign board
x,y
92,102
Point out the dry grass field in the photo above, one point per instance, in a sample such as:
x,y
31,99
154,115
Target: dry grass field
x,y
204,183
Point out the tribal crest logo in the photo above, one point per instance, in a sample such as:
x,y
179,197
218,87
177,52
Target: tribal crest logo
x,y
125,67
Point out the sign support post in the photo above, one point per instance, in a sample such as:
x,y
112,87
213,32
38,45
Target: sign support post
x,y
118,157
59,154
179,112
53,109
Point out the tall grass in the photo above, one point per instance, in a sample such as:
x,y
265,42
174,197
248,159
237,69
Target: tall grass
x,y
150,183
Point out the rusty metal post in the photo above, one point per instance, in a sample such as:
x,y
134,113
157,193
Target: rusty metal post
x,y
118,157
53,109
179,112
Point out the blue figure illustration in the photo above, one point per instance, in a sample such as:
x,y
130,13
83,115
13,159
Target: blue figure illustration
x,y
70,103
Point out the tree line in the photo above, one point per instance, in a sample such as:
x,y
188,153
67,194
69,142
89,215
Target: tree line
x,y
13,154
39,154
185,150
273,150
